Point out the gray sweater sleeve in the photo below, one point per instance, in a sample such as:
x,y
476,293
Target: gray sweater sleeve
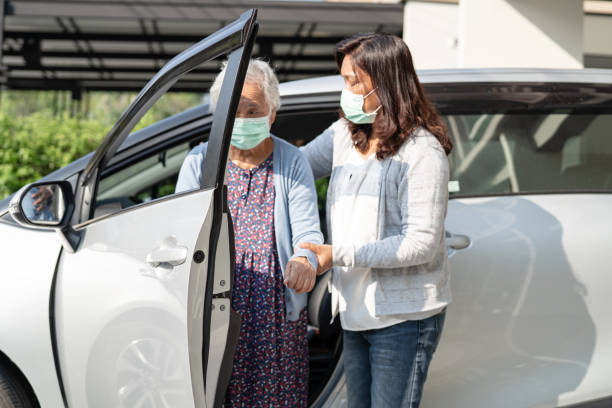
x,y
303,211
423,193
190,175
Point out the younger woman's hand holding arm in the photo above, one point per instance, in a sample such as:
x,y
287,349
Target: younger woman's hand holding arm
x,y
323,253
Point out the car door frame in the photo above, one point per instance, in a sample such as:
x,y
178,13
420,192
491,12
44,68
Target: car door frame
x,y
235,40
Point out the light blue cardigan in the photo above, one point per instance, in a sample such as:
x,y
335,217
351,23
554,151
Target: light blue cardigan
x,y
296,216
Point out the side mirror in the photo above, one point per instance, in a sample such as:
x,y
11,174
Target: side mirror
x,y
46,205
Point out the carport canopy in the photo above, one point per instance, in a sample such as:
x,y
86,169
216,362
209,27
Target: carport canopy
x,y
118,45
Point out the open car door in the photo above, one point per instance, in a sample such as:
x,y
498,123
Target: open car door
x,y
141,312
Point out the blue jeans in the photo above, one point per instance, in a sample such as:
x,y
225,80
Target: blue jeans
x,y
387,367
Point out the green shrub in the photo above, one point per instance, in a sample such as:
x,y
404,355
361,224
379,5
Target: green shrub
x,y
321,186
38,136
34,145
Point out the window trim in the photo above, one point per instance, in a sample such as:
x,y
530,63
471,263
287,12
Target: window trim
x,y
182,133
85,224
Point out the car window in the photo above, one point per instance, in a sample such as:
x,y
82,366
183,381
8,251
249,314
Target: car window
x,y
145,177
530,153
155,175
149,178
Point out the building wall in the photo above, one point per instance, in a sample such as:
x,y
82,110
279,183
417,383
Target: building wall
x,y
507,33
519,33
598,41
431,30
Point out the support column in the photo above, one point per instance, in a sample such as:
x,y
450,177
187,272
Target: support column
x,y
520,33
431,32
3,70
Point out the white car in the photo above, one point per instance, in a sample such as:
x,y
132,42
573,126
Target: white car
x,y
117,293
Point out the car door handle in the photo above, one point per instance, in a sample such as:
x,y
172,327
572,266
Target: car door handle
x,y
168,253
457,241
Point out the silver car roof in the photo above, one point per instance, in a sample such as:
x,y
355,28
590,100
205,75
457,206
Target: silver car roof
x,y
334,83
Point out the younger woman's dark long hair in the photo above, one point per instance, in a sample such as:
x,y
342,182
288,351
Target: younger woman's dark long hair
x,y
388,62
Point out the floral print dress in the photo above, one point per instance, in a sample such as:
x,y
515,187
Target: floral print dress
x,y
271,361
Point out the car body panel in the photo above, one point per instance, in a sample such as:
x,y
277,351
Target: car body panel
x,y
529,324
134,319
25,288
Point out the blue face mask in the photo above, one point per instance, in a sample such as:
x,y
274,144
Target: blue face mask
x,y
352,106
249,132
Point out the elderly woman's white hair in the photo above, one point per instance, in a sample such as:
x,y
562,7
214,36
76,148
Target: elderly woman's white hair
x,y
259,72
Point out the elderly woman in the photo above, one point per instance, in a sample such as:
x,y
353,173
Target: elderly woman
x,y
273,204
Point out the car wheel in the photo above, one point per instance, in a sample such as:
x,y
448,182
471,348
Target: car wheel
x,y
136,364
12,393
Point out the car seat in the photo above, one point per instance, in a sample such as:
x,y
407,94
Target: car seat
x,y
319,309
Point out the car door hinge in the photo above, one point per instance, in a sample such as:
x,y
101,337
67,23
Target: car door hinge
x,y
222,295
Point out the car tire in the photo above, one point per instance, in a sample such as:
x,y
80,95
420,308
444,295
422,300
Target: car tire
x,y
12,392
113,349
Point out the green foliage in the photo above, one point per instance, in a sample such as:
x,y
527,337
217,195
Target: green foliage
x,y
33,146
43,131
321,186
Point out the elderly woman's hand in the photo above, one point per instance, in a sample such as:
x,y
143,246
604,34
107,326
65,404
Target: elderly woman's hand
x,y
323,253
299,275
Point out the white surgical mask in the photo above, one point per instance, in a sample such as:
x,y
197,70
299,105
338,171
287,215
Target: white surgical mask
x,y
352,106
249,132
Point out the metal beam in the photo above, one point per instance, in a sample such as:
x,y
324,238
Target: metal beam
x,y
70,60
213,10
2,67
165,56
182,38
152,70
87,85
